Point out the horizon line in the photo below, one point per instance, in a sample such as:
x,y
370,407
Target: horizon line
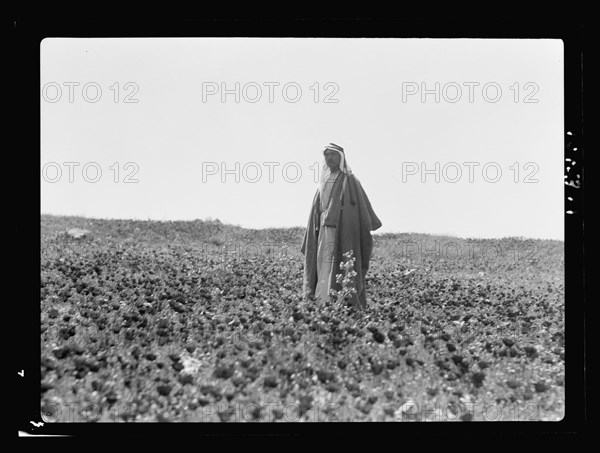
x,y
210,219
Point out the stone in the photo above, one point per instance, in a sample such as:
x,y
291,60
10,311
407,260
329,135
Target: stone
x,y
78,233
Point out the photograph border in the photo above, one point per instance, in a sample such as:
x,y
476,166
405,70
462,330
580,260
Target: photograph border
x,y
25,43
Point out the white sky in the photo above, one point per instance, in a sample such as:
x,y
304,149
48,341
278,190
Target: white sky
x,y
170,132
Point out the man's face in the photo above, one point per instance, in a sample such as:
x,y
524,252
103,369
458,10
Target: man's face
x,y
332,159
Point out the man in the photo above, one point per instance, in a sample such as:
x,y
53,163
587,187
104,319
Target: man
x,y
341,219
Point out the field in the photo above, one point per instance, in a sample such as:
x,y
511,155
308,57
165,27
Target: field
x,y
145,321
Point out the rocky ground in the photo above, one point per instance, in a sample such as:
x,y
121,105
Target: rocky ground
x,y
200,321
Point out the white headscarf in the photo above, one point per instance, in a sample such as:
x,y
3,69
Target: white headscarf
x,y
326,171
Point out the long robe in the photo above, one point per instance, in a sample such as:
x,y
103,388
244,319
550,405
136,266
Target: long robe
x,y
325,241
353,219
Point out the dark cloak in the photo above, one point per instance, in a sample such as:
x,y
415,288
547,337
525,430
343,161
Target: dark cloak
x,y
354,219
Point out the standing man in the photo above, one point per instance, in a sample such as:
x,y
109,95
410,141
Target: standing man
x,y
341,219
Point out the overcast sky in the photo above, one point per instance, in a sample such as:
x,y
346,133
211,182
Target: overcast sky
x,y
160,120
